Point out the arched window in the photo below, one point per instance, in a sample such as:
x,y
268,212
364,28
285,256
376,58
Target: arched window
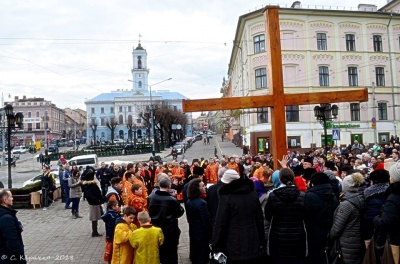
x,y
121,120
103,135
139,62
130,121
139,133
140,84
121,134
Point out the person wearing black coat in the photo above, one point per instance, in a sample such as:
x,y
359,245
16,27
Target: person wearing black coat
x,y
11,244
164,211
239,225
212,197
199,222
321,203
389,218
95,199
286,211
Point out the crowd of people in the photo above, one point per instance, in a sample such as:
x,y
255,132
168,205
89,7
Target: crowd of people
x,y
319,205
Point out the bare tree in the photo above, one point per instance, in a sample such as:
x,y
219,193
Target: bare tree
x,y
112,124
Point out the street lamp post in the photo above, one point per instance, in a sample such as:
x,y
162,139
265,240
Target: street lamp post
x,y
153,128
323,113
13,120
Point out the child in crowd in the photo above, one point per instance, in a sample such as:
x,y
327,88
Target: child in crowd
x,y
146,241
122,250
110,218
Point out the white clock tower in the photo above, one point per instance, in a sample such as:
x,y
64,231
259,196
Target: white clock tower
x,y
139,70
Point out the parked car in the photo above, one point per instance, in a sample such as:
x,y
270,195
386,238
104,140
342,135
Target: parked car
x,y
118,141
179,148
19,150
53,149
70,143
38,178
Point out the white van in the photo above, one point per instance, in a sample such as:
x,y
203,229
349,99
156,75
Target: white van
x,y
85,160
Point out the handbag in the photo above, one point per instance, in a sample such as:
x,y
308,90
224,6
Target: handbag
x,y
338,257
217,258
108,251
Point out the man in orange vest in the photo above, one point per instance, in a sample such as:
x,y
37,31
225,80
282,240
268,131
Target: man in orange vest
x,y
233,165
212,172
258,172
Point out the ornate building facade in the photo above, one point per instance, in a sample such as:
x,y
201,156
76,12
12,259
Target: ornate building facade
x,y
322,50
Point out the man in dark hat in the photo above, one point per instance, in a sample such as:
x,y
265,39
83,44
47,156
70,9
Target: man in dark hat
x,y
307,162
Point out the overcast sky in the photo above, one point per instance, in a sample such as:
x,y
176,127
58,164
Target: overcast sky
x,y
69,51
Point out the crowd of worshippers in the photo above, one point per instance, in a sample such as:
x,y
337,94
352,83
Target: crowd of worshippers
x,y
325,210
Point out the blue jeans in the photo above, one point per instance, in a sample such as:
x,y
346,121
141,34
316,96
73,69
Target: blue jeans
x,y
75,204
66,192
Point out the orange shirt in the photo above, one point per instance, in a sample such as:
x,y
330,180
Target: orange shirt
x,y
177,172
126,192
212,173
233,166
158,171
144,189
138,202
258,173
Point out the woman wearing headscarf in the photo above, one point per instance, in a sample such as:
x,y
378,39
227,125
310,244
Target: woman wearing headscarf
x,y
322,203
286,210
345,233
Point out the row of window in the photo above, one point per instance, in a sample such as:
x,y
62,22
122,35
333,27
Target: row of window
x,y
293,113
261,76
103,120
322,44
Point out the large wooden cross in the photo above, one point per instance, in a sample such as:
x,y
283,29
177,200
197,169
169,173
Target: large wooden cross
x,y
277,99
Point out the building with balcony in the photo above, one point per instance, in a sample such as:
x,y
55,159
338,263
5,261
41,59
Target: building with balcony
x,y
323,49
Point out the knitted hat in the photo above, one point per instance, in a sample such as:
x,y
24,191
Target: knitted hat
x,y
354,180
379,176
394,172
319,178
229,176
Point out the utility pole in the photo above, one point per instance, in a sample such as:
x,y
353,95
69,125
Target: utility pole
x,y
3,123
392,75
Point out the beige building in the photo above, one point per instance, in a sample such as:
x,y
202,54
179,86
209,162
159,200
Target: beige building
x,y
323,49
42,119
76,120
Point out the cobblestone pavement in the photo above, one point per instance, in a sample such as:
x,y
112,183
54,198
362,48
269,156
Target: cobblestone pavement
x,y
52,236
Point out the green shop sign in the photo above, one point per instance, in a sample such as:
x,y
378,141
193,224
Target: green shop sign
x,y
332,125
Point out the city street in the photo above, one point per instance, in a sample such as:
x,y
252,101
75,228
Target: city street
x,y
52,236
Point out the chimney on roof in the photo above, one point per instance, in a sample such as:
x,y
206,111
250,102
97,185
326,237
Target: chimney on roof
x,y
367,8
296,4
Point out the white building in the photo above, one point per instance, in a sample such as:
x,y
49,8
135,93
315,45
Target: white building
x,y
125,106
322,50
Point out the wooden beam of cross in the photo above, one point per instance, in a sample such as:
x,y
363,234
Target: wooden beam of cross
x,y
277,99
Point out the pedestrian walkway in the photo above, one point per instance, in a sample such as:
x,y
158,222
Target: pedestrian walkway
x,y
52,236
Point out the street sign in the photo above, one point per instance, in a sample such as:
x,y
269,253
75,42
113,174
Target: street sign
x,y
335,134
205,126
